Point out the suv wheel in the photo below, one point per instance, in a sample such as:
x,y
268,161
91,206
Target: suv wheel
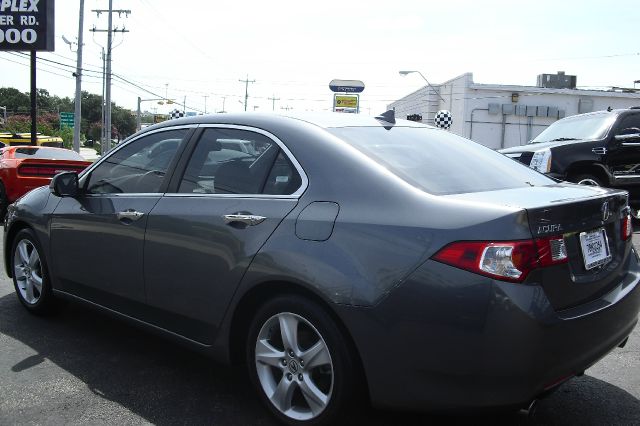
x,y
586,179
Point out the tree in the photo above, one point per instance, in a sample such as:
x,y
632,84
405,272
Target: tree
x,y
14,100
123,121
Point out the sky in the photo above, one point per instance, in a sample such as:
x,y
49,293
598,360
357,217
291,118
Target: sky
x,y
199,50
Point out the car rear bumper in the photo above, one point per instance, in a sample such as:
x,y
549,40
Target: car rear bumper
x,y
447,338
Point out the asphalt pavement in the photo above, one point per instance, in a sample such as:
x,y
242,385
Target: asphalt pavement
x,y
82,367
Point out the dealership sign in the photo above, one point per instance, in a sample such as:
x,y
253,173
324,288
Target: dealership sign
x,y
345,103
346,86
27,25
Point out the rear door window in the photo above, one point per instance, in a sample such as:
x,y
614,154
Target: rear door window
x,y
217,166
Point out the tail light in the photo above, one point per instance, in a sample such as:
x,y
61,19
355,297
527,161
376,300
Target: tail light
x,y
43,171
626,227
504,260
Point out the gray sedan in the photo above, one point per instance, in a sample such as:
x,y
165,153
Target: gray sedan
x,y
350,258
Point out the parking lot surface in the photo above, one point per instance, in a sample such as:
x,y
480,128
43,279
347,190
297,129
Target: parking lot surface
x,y
83,367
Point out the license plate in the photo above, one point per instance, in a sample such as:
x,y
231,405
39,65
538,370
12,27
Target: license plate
x,y
595,248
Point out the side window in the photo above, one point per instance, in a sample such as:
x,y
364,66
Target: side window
x,y
139,167
233,161
283,178
629,124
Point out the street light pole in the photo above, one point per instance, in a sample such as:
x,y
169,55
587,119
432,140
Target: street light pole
x,y
77,120
425,79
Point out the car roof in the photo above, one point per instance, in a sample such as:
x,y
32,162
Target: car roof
x,y
321,119
604,112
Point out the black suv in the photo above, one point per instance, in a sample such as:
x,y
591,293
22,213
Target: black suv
x,y
598,148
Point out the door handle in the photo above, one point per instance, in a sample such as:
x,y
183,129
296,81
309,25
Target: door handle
x,y
247,219
129,215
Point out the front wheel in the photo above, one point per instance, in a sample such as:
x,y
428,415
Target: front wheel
x,y
587,179
30,276
299,362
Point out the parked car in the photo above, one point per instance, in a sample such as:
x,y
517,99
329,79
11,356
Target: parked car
x,y
23,168
15,139
599,148
353,256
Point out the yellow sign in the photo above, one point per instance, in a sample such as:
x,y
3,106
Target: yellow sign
x,y
344,101
159,118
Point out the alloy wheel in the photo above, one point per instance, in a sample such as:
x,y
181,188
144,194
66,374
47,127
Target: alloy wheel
x,y
294,366
27,270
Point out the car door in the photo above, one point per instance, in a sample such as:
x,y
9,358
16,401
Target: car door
x,y
202,236
97,237
624,155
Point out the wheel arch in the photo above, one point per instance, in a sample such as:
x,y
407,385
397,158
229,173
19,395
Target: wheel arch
x,y
588,167
8,242
253,298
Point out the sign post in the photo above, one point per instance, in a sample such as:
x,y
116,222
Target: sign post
x,y
28,26
346,98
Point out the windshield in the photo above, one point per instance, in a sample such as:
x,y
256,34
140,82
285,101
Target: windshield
x,y
439,162
577,128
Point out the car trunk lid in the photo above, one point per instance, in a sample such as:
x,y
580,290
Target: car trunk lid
x,y
590,219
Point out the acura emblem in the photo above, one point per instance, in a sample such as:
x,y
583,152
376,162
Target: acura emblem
x,y
606,213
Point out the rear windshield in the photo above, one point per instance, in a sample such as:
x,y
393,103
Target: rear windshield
x,y
47,153
439,162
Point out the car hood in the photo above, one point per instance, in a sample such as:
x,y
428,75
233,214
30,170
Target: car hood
x,y
538,146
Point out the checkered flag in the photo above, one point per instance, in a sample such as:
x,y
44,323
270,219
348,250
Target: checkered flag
x,y
443,119
176,113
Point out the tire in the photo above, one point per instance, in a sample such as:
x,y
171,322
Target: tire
x,y
586,179
298,394
30,273
4,203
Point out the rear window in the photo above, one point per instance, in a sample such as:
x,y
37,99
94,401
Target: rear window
x,y
47,153
439,162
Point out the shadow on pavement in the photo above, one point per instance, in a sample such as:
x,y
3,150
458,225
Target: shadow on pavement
x,y
164,383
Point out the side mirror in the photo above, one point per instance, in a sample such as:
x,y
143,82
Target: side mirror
x,y
64,184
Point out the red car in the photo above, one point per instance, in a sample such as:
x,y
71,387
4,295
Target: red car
x,y
23,168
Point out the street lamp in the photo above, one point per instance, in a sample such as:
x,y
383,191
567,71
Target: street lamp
x,y
425,79
161,101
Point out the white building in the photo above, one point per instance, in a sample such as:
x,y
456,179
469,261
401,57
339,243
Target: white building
x,y
500,116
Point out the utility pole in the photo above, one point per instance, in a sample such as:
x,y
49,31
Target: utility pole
x,y
77,119
106,146
246,90
205,103
274,99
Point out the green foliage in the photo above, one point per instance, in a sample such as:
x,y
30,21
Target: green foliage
x,y
18,106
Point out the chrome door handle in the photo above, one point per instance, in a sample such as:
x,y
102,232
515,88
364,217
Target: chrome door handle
x,y
247,219
130,214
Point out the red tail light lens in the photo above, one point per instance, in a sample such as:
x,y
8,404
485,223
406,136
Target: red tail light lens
x,y
44,171
504,260
626,226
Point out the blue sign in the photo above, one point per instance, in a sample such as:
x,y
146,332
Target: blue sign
x,y
346,86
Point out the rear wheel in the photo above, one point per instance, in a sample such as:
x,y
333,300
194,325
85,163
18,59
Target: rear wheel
x,y
30,276
299,363
587,179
